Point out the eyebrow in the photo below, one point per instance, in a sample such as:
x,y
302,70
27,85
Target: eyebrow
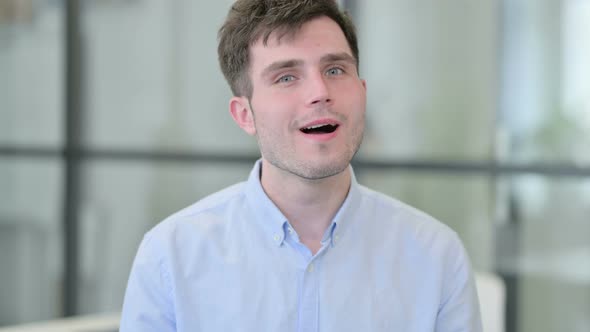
x,y
281,65
342,56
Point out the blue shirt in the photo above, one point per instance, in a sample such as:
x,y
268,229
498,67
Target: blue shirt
x,y
232,262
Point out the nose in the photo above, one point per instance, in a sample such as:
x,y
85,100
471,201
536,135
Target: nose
x,y
318,91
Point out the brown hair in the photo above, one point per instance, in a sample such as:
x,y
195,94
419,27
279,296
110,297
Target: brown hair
x,y
249,20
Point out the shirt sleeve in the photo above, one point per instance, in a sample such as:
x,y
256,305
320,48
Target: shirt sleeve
x,y
459,310
148,305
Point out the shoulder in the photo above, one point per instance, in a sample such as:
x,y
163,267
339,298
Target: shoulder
x,y
407,223
206,215
211,203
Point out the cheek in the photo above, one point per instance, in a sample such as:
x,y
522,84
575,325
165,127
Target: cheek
x,y
269,119
353,89
357,101
274,110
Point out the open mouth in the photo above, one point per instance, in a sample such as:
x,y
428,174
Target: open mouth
x,y
320,129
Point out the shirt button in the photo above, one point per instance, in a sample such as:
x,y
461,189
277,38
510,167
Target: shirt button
x,y
310,268
277,237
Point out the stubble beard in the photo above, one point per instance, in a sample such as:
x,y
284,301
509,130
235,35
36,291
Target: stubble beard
x,y
286,159
288,162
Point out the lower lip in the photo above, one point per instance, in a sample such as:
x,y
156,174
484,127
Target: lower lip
x,y
321,137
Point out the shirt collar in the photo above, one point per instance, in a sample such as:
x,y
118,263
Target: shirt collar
x,y
347,211
276,225
267,213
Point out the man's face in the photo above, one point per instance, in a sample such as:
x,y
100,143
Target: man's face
x,y
308,103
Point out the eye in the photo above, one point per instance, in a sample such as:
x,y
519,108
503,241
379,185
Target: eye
x,y
285,79
334,71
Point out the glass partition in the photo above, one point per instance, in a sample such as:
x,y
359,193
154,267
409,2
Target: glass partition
x,y
30,240
31,72
31,117
122,201
432,71
551,253
152,66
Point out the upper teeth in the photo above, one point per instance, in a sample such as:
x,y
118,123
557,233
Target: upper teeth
x,y
318,126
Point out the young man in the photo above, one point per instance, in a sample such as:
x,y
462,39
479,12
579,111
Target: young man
x,y
300,246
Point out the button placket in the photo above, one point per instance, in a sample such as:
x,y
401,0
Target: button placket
x,y
309,303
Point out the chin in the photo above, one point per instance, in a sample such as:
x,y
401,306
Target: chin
x,y
318,172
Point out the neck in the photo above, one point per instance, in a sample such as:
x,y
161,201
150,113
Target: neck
x,y
309,205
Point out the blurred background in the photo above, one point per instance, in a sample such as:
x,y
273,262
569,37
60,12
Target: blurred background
x,y
113,115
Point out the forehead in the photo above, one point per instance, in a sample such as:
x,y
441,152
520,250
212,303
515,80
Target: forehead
x,y
314,39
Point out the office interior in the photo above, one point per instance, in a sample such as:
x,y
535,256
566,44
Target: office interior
x,y
114,114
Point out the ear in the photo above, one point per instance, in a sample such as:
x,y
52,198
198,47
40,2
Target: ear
x,y
239,107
